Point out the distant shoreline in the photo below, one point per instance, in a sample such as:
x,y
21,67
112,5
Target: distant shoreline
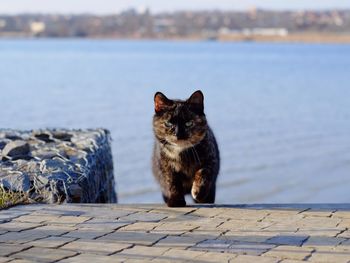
x,y
321,38
302,38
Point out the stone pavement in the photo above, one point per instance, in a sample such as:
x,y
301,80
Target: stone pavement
x,y
155,233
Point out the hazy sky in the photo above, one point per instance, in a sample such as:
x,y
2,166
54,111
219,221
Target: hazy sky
x,y
112,6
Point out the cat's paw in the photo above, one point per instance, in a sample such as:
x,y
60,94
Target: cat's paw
x,y
200,191
176,202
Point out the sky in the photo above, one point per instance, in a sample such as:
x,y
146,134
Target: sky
x,y
113,6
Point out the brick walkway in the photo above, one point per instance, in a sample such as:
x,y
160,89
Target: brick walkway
x,y
143,233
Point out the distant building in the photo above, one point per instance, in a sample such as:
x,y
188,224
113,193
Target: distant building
x,y
163,25
37,27
269,32
254,32
2,23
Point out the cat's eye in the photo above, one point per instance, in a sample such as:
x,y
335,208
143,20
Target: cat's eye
x,y
189,123
168,124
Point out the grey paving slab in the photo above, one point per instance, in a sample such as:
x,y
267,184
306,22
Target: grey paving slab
x,y
44,254
52,242
87,233
8,249
95,247
22,237
179,241
4,259
139,238
17,226
156,233
292,240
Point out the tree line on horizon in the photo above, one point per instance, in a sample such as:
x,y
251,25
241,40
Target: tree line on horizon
x,y
180,24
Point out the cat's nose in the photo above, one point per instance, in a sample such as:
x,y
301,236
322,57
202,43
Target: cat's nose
x,y
180,134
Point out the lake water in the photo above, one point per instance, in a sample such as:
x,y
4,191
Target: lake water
x,y
281,112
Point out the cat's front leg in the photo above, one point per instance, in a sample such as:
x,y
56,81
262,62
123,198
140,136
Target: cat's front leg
x,y
175,194
203,187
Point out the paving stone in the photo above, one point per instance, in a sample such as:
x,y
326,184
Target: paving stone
x,y
140,260
316,222
173,228
187,219
139,238
209,223
241,225
179,254
86,258
164,259
289,252
4,259
282,228
60,210
250,259
325,232
215,257
341,214
106,213
208,212
8,249
293,240
44,254
142,252
87,233
153,233
95,247
144,217
239,214
283,215
53,230
102,224
22,261
247,248
140,226
336,256
345,223
179,241
318,213
323,241
52,242
291,261
29,208
214,245
173,211
11,214
22,237
249,236
17,226
345,244
68,220
37,218
204,234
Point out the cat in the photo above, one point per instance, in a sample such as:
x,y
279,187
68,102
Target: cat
x,y
186,157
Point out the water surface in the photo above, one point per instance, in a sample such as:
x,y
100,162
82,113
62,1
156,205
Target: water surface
x,y
280,111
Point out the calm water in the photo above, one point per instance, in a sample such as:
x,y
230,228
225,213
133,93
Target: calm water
x,y
280,111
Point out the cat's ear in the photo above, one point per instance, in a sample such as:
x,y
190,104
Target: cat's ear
x,y
161,102
196,102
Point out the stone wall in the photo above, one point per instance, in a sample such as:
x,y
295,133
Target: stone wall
x,y
58,166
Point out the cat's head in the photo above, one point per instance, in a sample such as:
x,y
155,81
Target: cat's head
x,y
180,123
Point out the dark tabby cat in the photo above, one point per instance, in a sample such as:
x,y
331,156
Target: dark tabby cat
x,y
186,156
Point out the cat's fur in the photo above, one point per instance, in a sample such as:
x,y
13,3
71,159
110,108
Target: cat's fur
x,y
186,156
